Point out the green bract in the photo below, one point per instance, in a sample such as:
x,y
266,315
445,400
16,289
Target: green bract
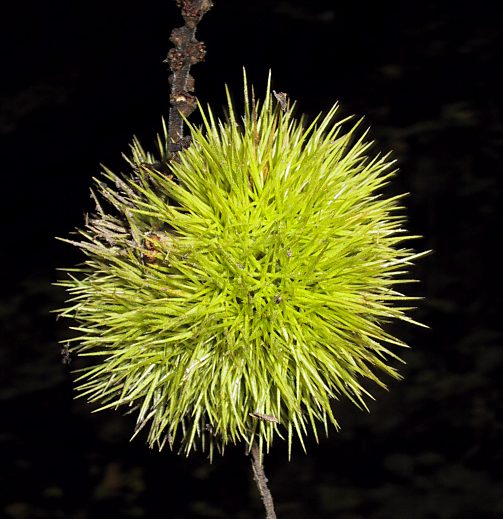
x,y
233,295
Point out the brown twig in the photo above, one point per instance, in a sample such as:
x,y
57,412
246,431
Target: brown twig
x,y
261,481
187,52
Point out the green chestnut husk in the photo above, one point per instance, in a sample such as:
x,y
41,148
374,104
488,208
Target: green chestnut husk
x,y
234,294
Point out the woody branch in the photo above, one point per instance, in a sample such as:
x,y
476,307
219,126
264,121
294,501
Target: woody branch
x,y
187,52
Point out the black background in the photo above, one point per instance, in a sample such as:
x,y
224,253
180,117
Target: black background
x,y
80,78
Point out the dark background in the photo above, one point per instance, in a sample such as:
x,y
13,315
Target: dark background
x,y
80,78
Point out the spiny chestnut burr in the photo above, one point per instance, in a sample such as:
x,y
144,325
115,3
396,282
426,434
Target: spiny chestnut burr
x,y
248,289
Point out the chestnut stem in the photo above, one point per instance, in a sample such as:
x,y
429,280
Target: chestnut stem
x,y
187,52
261,481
